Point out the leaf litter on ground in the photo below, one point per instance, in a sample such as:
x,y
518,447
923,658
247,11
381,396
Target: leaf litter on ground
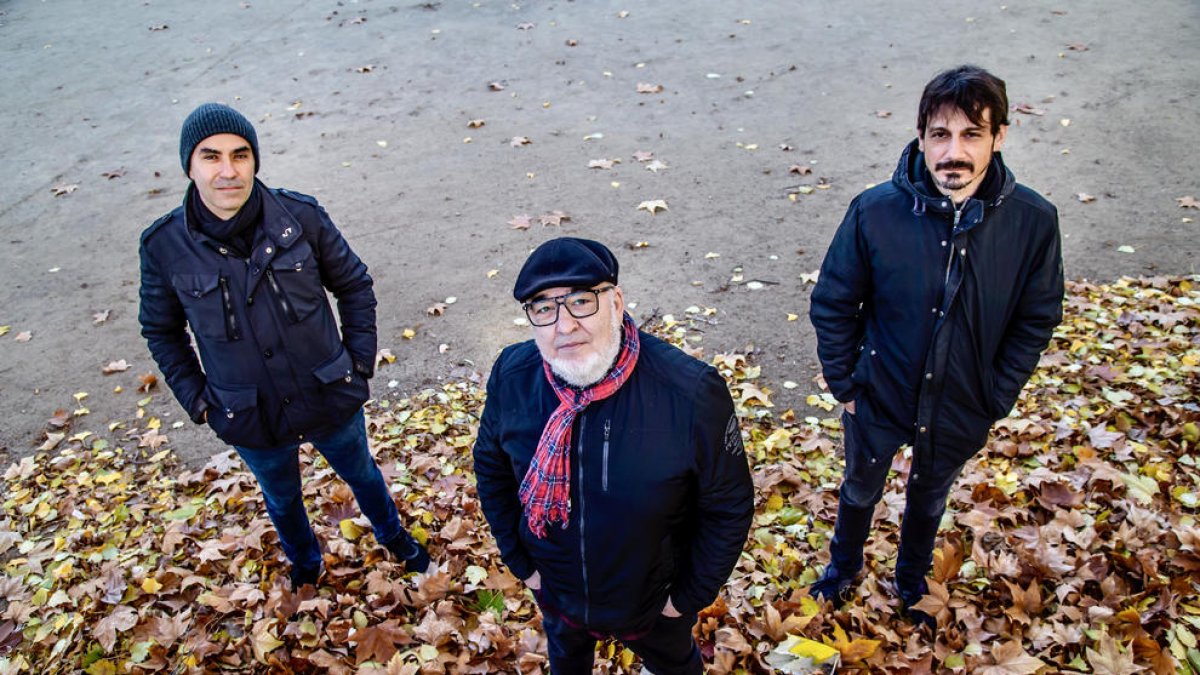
x,y
1070,543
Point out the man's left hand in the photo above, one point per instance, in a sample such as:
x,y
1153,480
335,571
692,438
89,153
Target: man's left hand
x,y
669,610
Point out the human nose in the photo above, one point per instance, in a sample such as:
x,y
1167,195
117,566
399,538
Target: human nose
x,y
566,323
226,168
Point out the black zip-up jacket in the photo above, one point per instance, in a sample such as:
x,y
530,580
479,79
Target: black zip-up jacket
x,y
661,496
275,367
932,321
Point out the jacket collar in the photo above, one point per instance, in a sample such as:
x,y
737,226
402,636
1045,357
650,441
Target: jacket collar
x,y
908,178
278,224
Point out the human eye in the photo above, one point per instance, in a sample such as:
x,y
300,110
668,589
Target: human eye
x,y
581,300
542,308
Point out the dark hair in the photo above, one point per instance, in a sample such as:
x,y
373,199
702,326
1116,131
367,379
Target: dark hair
x,y
970,89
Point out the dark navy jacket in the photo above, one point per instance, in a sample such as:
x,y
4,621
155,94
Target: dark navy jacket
x,y
275,367
933,326
661,496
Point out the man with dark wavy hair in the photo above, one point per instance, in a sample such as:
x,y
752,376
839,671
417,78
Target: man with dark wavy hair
x,y
937,296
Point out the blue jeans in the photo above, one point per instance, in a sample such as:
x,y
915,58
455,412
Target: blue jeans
x,y
862,488
278,474
668,649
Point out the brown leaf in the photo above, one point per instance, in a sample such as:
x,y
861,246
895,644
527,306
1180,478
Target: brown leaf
x,y
518,141
936,603
158,27
115,173
148,382
1110,659
521,222
436,309
602,163
555,217
121,619
643,155
1026,603
101,316
1085,197
495,86
1077,47
60,419
1188,202
1010,658
1027,109
475,124
647,88
64,189
374,644
23,336
526,26
801,170
364,69
883,114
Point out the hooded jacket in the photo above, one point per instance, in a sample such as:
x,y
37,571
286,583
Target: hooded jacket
x,y
932,320
272,366
661,496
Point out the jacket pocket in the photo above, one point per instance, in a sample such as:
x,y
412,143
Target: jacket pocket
x,y
234,416
295,283
341,387
201,298
863,366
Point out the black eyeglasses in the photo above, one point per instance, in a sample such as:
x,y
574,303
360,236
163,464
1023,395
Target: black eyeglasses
x,y
579,304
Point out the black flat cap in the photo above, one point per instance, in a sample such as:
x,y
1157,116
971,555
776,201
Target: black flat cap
x,y
566,261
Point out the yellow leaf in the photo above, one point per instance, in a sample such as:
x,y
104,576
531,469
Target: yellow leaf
x,y
151,585
775,502
350,529
792,317
419,534
408,334
814,650
154,423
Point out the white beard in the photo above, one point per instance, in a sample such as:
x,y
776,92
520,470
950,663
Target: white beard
x,y
588,371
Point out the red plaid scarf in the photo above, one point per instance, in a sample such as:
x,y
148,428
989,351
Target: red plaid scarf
x,y
546,491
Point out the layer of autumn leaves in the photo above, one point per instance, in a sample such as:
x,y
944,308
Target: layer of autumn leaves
x,y
1071,544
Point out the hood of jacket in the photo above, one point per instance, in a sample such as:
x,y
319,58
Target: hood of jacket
x,y
909,177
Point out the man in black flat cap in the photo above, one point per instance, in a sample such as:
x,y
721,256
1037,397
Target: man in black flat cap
x,y
246,269
610,467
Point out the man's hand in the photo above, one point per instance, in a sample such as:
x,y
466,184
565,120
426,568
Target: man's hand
x,y
850,407
669,610
204,416
534,582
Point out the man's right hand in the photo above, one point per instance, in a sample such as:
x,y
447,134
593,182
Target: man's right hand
x,y
534,582
850,407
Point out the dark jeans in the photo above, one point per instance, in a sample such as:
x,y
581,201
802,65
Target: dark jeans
x,y
862,488
278,474
668,649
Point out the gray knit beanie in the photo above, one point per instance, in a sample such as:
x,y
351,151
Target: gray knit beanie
x,y
211,119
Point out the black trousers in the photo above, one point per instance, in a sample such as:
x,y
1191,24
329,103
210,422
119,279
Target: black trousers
x,y
668,649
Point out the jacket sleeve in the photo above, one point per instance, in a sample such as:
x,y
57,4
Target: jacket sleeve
x,y
1039,311
163,325
842,287
725,498
497,485
345,275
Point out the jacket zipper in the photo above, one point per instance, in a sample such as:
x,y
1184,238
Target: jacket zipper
x,y
950,260
284,305
604,476
582,521
231,326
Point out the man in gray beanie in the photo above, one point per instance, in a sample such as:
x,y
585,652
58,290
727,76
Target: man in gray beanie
x,y
610,467
246,268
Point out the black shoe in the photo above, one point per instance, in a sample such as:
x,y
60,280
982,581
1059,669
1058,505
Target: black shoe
x,y
304,576
407,551
910,597
833,586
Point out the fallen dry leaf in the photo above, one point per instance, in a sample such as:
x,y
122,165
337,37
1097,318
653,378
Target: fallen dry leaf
x,y
23,336
518,141
521,222
1085,197
1188,202
801,170
555,218
653,206
101,316
1027,109
115,367
656,166
647,88
64,189
602,163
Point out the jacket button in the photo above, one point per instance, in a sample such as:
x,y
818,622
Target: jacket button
x,y
250,300
223,250
872,352
268,354
348,379
924,429
929,376
943,242
269,250
229,414
288,401
299,266
933,309
963,252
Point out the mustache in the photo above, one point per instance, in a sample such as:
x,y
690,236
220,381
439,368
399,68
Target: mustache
x,y
954,164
